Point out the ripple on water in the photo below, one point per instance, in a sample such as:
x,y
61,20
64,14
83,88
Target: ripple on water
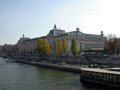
x,y
16,76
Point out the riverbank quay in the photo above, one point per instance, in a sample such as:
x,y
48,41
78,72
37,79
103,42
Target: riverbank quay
x,y
100,76
98,60
65,67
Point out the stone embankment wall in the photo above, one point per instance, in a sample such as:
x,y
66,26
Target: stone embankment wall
x,y
107,60
55,58
82,60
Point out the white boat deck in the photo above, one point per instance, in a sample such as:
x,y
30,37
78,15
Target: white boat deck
x,y
101,70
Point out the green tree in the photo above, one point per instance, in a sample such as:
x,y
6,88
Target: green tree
x,y
64,45
56,47
60,45
74,47
40,45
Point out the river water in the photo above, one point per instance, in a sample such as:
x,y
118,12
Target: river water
x,y
16,76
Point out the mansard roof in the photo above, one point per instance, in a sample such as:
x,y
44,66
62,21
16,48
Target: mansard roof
x,y
23,39
92,36
34,39
66,34
55,32
39,37
75,32
78,33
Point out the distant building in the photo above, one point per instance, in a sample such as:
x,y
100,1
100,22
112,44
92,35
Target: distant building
x,y
0,49
86,42
7,49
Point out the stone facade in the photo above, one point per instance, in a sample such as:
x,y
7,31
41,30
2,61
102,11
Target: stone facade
x,y
86,42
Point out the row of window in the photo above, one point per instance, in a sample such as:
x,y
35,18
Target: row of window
x,y
25,50
88,46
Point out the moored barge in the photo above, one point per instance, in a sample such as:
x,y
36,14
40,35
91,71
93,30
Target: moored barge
x,y
100,76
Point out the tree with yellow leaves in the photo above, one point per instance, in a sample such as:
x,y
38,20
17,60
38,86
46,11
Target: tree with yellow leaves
x,y
56,47
60,45
40,45
64,45
74,47
43,46
46,47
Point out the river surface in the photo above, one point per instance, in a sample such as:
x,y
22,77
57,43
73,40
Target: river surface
x,y
16,76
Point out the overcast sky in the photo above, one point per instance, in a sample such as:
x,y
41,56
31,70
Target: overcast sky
x,y
36,18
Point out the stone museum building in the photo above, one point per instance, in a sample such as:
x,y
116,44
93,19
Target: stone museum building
x,y
85,42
